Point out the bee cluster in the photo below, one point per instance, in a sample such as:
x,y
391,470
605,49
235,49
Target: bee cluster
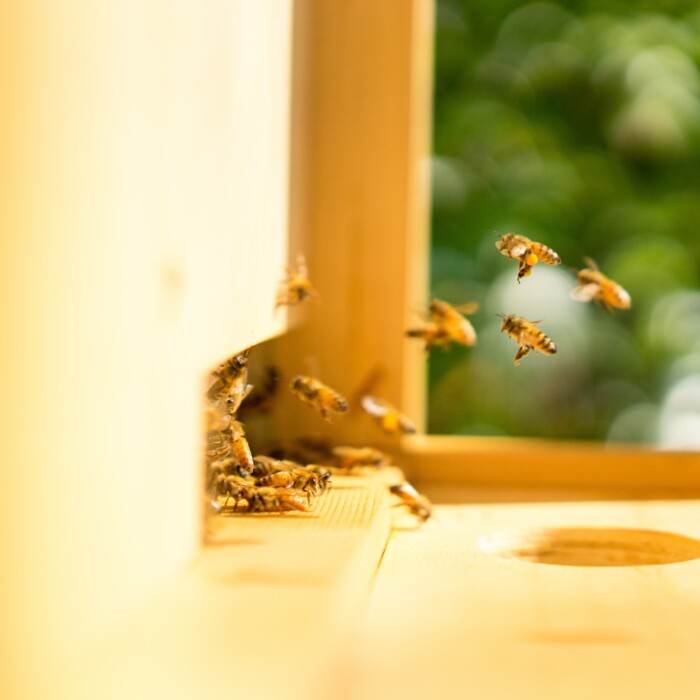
x,y
447,324
297,472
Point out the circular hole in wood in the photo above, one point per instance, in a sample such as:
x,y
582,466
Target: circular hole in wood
x,y
592,546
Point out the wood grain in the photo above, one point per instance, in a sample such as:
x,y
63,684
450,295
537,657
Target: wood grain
x,y
366,94
449,620
262,614
573,466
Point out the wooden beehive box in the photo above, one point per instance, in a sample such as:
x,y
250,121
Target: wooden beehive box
x,y
164,163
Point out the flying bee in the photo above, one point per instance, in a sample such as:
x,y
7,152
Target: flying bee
x,y
527,335
447,325
319,396
348,458
416,502
231,382
296,287
593,284
527,252
389,418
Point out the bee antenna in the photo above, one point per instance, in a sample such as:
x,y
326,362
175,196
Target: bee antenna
x,y
501,315
500,235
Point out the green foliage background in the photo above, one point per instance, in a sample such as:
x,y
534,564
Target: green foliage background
x,y
578,125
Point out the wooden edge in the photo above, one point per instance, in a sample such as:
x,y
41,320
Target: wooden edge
x,y
262,613
536,463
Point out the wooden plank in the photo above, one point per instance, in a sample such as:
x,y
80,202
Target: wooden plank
x,y
448,619
510,462
367,106
263,613
144,170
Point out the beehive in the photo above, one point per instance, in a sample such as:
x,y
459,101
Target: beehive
x,y
165,162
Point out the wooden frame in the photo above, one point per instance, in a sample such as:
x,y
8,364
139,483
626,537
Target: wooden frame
x,y
366,98
135,274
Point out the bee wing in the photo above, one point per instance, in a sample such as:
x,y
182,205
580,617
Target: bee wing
x,y
406,425
302,269
517,250
586,292
374,406
468,307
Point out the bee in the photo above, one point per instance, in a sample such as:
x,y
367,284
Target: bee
x,y
527,335
231,382
348,458
262,399
280,478
231,487
270,499
240,447
388,417
264,465
319,396
218,446
301,478
527,252
416,502
593,284
447,325
296,287
323,474
228,466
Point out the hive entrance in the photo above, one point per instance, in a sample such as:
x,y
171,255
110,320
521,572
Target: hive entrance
x,y
592,546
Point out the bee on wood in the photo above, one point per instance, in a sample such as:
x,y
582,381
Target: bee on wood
x,y
280,478
302,478
416,502
388,417
276,500
594,285
264,465
447,325
296,287
527,335
231,382
232,487
323,474
319,396
527,252
240,447
348,458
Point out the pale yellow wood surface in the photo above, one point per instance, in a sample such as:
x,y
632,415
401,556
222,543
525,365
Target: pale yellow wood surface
x,y
144,171
447,620
263,613
366,94
523,463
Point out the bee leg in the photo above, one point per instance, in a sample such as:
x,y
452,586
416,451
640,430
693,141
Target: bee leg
x,y
522,351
